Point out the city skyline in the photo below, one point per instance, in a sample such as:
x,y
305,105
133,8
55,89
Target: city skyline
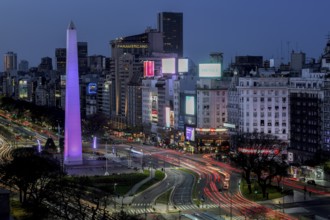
x,y
271,30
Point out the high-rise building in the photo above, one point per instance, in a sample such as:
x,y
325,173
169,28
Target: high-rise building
x,y
171,25
10,61
82,57
247,64
60,54
73,143
263,106
46,64
297,61
127,54
23,66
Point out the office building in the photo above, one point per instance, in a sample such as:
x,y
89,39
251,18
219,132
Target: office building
x,y
23,66
263,106
297,61
46,64
10,61
82,58
171,25
60,54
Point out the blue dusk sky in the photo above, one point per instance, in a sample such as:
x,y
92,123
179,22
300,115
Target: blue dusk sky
x,y
271,28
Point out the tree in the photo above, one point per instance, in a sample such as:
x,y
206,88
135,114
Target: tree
x,y
94,125
259,154
72,199
31,173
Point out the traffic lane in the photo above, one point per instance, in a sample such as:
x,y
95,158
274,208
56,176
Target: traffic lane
x,y
183,191
151,194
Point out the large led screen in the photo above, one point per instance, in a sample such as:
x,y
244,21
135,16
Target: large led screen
x,y
210,70
190,134
167,117
190,105
23,89
183,65
92,88
168,65
154,109
149,68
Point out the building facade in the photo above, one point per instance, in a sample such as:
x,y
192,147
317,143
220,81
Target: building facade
x,y
171,25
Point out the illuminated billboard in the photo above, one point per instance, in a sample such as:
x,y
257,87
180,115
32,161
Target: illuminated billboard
x,y
183,65
154,109
92,88
210,70
168,65
190,133
172,118
190,105
148,68
167,117
23,89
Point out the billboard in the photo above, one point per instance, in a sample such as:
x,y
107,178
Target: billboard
x,y
92,88
167,117
190,133
154,109
172,118
210,70
190,105
168,66
23,89
183,65
148,68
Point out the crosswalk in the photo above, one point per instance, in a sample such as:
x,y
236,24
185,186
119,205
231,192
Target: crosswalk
x,y
141,208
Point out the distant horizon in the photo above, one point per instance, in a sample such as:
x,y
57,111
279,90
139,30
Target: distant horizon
x,y
34,29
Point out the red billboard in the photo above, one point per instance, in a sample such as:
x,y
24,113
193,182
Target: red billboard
x,y
148,68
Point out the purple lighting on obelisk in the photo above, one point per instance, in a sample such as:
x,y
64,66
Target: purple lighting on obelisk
x,y
72,142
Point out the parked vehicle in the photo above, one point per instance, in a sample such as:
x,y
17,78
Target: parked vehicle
x,y
311,182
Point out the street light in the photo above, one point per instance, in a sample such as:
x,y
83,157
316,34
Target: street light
x,y
142,159
58,137
106,160
114,195
145,208
231,205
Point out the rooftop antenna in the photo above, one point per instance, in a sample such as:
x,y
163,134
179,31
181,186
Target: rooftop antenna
x,y
288,44
281,52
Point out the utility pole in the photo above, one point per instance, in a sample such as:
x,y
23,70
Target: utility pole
x,y
231,205
106,160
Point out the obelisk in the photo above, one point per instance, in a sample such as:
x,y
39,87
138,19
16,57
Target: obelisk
x,y
72,141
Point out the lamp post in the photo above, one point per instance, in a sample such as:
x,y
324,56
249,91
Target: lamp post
x,y
142,159
114,194
58,137
231,205
145,208
106,160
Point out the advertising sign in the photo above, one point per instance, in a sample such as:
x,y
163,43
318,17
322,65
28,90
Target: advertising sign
x,y
168,65
190,133
148,68
190,105
210,70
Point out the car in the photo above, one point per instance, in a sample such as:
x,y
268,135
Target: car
x,y
311,182
225,185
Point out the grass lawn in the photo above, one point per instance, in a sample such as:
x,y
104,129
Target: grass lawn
x,y
119,184
164,198
18,212
256,194
159,176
